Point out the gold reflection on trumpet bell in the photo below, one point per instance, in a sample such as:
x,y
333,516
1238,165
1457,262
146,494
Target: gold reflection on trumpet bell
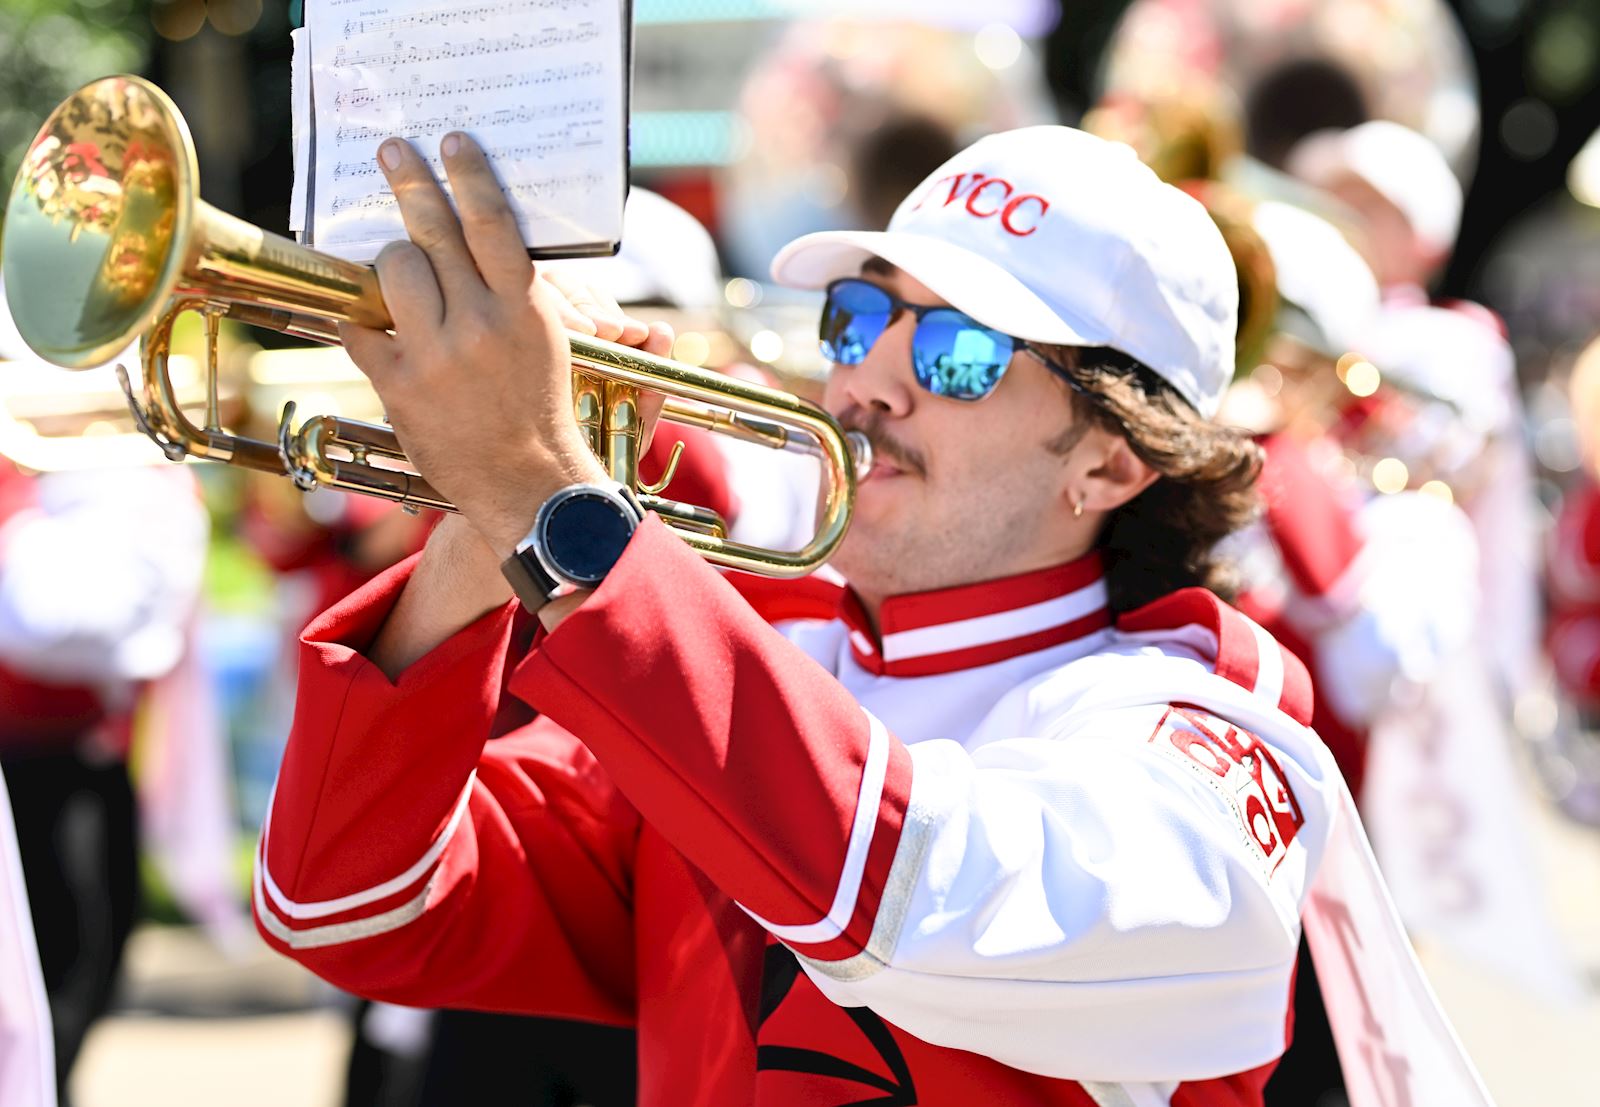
x,y
92,222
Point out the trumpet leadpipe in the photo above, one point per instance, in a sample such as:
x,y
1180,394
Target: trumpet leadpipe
x,y
761,432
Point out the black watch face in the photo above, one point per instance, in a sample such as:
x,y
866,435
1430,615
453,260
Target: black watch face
x,y
585,536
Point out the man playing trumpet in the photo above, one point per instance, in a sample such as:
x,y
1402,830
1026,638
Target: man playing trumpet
x,y
1025,813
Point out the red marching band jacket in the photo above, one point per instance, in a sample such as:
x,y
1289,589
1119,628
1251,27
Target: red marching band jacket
x,y
1006,850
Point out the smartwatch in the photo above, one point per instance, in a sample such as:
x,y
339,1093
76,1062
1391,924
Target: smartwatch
x,y
579,535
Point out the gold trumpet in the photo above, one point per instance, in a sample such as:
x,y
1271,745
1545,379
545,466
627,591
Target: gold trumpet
x,y
106,240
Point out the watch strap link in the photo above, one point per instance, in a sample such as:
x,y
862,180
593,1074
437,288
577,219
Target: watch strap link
x,y
534,587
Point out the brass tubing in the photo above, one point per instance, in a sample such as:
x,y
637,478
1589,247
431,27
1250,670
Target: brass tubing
x,y
116,164
233,260
318,437
642,370
623,432
213,316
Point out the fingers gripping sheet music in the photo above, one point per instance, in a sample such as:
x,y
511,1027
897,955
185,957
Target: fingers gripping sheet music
x,y
542,85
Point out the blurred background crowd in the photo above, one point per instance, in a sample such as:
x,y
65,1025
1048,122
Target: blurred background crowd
x,y
1411,189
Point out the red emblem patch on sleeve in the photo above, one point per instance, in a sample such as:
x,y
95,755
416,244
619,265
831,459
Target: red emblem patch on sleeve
x,y
1240,768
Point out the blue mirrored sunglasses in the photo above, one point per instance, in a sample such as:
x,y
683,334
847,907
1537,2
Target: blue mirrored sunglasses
x,y
952,354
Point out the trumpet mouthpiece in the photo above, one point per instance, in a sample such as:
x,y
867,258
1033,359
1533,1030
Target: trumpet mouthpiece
x,y
860,452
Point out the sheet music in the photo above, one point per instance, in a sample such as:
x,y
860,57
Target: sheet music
x,y
541,84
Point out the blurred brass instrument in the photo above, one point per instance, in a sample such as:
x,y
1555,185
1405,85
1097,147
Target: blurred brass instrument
x,y
48,426
1231,211
107,240
1188,142
1285,70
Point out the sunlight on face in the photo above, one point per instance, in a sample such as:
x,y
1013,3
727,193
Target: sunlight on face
x,y
961,491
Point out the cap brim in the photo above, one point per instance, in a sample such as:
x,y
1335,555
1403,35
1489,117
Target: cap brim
x,y
968,281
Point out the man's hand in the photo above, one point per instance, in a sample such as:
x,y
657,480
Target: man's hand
x,y
476,378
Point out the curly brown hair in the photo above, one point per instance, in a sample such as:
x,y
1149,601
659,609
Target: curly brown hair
x,y
1165,538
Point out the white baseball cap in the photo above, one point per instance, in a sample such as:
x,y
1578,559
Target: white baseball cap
x,y
1320,274
666,255
1401,165
1052,235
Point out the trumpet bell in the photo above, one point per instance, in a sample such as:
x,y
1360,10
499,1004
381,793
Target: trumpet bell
x,y
99,221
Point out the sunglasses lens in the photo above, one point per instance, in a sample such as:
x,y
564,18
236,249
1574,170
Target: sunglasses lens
x,y
855,315
955,357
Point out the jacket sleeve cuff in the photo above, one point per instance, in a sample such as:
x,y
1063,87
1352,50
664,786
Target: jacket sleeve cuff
x,y
787,794
361,742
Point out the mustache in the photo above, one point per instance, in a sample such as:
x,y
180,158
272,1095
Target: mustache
x,y
885,445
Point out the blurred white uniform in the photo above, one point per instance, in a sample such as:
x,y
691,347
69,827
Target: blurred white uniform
x,y
1457,354
27,1053
99,578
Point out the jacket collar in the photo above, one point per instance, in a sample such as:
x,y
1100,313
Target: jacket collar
x,y
926,633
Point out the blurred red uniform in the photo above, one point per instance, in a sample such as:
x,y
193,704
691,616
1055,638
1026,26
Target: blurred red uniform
x,y
1574,580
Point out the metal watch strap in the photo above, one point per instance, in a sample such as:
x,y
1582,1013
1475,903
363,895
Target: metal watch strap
x,y
533,586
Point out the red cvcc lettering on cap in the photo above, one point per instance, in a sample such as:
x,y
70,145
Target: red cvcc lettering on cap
x,y
1012,209
989,198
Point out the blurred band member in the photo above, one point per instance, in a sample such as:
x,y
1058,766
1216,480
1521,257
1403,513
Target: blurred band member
x,y
1333,573
1333,570
99,573
1573,556
1407,204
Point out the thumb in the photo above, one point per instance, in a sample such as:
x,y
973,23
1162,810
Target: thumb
x,y
375,352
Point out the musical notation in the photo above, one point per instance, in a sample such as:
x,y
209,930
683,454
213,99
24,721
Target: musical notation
x,y
403,56
543,147
464,120
554,186
541,83
545,188
467,86
439,17
370,202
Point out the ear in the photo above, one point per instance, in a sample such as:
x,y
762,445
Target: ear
x,y
1111,474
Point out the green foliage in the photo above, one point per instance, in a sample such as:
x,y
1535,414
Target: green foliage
x,y
50,47
237,581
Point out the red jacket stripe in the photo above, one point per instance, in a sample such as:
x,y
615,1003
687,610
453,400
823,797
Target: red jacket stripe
x,y
1245,654
989,653
373,894
972,601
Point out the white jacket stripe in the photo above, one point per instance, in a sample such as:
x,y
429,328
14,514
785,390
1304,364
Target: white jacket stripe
x,y
1130,1095
1002,626
855,858
1269,664
314,937
319,909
